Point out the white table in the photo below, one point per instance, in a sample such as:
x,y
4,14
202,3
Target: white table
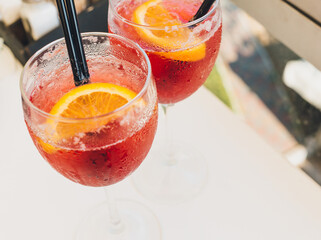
x,y
252,192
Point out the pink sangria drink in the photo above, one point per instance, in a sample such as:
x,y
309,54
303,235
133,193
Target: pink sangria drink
x,y
182,53
98,133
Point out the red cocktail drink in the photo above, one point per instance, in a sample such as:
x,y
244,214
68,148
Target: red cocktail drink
x,y
99,133
182,54
105,155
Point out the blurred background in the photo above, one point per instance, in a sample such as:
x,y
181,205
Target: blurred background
x,y
265,83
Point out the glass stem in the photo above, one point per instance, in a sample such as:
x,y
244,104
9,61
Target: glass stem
x,y
116,225
170,159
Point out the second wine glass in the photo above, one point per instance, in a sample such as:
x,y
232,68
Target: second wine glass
x,y
182,55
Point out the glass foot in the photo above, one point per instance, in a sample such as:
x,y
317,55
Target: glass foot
x,y
137,223
172,179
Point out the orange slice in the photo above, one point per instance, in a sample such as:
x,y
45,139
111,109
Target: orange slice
x,y
153,14
86,101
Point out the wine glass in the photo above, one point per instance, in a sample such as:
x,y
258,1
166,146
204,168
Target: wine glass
x,y
182,55
98,133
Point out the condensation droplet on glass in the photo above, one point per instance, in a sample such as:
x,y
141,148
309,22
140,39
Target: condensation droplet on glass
x,y
175,28
168,29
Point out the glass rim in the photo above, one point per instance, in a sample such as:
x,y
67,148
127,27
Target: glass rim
x,y
87,34
184,25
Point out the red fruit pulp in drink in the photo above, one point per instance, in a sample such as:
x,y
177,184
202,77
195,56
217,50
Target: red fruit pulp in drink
x,y
175,80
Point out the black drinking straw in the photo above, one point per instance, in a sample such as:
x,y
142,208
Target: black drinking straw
x,y
69,22
204,8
